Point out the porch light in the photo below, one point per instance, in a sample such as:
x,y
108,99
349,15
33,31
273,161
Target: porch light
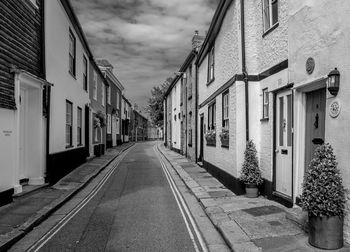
x,y
333,82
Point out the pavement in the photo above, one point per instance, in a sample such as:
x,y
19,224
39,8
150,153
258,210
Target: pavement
x,y
29,210
246,224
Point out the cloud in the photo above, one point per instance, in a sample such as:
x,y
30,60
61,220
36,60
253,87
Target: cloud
x,y
145,40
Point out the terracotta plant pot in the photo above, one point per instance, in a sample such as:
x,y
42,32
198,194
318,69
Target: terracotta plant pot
x,y
251,190
326,232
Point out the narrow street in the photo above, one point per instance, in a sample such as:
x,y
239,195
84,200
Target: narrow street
x,y
134,210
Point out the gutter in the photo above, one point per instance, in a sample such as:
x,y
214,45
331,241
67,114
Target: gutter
x,y
245,74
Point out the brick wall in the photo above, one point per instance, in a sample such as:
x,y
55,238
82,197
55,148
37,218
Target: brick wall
x,y
20,44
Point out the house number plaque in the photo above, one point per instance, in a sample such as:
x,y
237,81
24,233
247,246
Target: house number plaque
x,y
334,109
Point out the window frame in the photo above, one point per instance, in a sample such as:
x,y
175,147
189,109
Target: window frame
x,y
79,126
69,125
269,8
108,94
103,95
190,81
265,103
72,55
109,124
94,89
85,73
225,109
212,116
211,65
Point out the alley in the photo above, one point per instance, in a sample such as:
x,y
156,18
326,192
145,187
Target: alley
x,y
135,210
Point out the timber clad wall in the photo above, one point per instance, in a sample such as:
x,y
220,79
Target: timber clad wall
x,y
20,44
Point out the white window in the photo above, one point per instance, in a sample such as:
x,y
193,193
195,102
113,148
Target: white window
x,y
211,63
118,98
212,116
225,107
270,13
85,74
72,50
109,124
94,91
69,123
103,91
265,104
109,94
118,126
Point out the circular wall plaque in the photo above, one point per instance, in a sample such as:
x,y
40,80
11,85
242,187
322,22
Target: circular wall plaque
x,y
334,109
310,65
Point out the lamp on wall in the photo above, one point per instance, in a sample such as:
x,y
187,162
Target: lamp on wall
x,y
333,82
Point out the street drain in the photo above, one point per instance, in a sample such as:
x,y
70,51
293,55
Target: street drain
x,y
263,210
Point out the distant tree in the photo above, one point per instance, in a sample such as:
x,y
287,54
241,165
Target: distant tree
x,y
155,103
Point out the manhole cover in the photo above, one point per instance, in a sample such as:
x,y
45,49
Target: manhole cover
x,y
263,210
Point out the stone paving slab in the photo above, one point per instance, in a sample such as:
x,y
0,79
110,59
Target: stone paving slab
x,y
28,211
246,224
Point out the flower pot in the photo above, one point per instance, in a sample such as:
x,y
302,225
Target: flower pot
x,y
251,190
326,232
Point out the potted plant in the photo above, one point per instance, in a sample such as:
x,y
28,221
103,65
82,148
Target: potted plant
x,y
323,198
250,174
224,137
210,137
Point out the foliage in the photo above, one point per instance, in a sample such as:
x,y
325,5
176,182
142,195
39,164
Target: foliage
x,y
250,173
99,120
210,136
323,192
224,134
155,103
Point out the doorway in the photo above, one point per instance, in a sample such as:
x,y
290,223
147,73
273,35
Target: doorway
x,y
284,143
114,130
315,122
201,143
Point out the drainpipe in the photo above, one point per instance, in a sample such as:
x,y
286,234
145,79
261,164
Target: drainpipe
x,y
244,70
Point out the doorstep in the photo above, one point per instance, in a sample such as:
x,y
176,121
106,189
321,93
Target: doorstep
x,y
28,189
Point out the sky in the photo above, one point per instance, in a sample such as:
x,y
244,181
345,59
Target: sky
x,y
146,41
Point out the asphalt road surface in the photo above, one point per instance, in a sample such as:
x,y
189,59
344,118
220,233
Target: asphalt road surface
x,y
135,210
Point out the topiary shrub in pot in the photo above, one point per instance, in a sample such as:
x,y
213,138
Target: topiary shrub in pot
x,y
323,198
250,173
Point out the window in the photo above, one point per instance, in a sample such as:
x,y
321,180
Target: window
x,y
72,49
190,81
103,92
79,125
85,69
181,91
270,13
118,98
225,110
212,116
265,104
211,63
109,124
69,123
109,94
190,128
94,91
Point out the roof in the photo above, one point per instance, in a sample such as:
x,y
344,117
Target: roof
x,y
214,29
127,101
183,68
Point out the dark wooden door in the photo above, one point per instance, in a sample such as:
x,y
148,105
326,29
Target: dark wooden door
x,y
201,144
87,130
315,122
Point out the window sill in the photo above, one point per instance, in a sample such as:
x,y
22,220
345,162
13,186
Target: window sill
x,y
211,81
270,30
212,145
73,75
69,146
190,97
264,119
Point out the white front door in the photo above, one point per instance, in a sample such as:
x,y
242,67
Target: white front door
x,y
22,134
284,143
114,130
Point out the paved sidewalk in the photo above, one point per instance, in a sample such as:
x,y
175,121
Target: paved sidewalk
x,y
26,212
246,224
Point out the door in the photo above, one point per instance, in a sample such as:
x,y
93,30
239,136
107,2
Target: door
x,y
201,139
87,130
114,130
315,122
22,134
284,143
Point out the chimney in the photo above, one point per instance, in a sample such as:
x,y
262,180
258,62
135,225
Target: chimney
x,y
197,41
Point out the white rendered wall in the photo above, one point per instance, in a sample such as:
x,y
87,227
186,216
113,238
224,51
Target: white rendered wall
x,y
66,86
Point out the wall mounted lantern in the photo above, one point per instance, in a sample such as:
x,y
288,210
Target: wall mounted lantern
x,y
333,82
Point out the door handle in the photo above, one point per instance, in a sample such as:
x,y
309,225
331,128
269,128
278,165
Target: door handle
x,y
276,151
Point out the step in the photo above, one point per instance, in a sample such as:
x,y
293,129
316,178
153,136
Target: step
x,y
298,216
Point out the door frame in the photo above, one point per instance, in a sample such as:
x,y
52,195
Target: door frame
x,y
287,201
201,138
